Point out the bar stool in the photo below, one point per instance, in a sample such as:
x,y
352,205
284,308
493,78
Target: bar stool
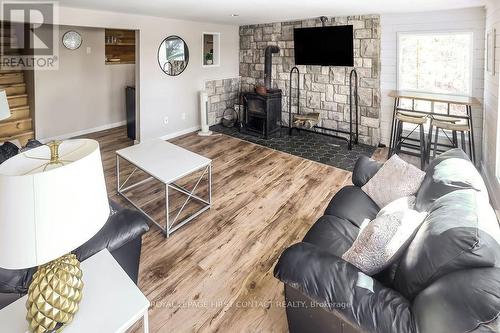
x,y
414,118
455,126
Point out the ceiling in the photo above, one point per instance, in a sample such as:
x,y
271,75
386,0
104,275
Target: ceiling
x,y
265,11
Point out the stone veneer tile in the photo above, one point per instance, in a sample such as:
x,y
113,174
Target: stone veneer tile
x,y
222,94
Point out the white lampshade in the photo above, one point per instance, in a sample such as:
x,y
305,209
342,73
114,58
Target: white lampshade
x,y
4,106
48,213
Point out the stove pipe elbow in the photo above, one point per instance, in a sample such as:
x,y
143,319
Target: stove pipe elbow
x,y
268,70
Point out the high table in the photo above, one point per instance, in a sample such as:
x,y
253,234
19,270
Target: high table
x,y
467,102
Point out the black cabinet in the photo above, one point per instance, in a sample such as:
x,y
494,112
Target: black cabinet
x,y
130,106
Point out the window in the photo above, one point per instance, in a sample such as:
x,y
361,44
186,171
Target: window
x,y
497,167
436,62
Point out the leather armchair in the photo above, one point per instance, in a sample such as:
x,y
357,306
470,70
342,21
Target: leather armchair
x,y
121,235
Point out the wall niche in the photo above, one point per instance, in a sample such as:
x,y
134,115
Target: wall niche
x,y
210,49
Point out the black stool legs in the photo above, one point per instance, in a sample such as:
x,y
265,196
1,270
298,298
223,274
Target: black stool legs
x,y
399,142
423,155
455,129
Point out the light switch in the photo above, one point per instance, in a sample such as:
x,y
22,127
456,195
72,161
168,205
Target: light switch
x,y
89,50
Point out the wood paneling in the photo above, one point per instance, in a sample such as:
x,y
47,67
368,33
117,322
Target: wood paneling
x,y
20,112
8,78
215,274
15,127
122,47
19,126
14,89
18,100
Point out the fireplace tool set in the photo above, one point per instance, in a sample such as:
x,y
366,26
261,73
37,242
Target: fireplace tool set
x,y
309,121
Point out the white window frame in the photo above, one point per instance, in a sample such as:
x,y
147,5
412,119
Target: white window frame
x,y
497,142
440,32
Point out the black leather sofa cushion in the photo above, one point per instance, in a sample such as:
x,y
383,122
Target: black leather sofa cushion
x,y
309,318
332,234
352,204
15,280
474,294
128,256
461,232
448,172
122,227
364,169
7,150
333,283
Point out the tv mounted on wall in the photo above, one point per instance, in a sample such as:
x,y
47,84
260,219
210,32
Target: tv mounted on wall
x,y
325,46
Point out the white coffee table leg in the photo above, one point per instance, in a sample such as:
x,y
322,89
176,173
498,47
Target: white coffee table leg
x,y
145,322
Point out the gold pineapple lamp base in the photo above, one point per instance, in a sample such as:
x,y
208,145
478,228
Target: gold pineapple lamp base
x,y
54,295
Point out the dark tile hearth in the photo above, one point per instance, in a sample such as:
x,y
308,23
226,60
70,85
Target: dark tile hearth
x,y
313,146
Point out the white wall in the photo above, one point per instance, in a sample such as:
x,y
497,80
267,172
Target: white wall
x,y
161,95
472,19
84,93
491,108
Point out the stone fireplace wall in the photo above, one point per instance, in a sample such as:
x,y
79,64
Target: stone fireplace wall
x,y
222,94
322,89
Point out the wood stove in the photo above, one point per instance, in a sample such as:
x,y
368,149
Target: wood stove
x,y
263,111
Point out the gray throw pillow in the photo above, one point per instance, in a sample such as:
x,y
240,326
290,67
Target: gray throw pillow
x,y
381,241
395,179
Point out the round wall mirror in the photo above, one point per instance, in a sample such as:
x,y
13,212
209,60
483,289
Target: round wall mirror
x,y
173,55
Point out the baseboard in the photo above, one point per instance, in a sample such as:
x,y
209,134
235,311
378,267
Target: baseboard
x,y
118,124
492,185
85,131
181,132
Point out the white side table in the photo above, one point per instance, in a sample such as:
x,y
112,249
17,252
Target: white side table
x,y
111,302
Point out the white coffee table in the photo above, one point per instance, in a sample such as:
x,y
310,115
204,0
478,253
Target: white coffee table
x,y
167,163
111,301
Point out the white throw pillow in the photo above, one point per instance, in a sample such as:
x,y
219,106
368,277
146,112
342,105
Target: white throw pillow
x,y
395,179
398,205
383,240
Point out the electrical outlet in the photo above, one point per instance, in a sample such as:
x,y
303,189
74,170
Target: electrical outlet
x,y
183,116
165,120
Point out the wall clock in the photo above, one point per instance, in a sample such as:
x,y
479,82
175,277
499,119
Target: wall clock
x,y
72,40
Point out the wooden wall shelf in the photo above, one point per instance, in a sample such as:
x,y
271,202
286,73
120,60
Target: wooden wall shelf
x,y
119,44
119,62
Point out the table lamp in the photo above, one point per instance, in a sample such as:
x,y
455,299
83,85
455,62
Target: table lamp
x,y
4,106
53,199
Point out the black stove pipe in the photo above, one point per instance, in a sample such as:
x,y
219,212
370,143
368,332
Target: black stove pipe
x,y
268,69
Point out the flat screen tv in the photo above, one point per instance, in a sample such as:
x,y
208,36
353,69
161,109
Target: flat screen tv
x,y
325,46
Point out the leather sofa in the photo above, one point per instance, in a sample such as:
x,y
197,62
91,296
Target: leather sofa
x,y
446,281
121,235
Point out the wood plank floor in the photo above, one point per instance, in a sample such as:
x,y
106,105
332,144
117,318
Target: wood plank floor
x,y
215,274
